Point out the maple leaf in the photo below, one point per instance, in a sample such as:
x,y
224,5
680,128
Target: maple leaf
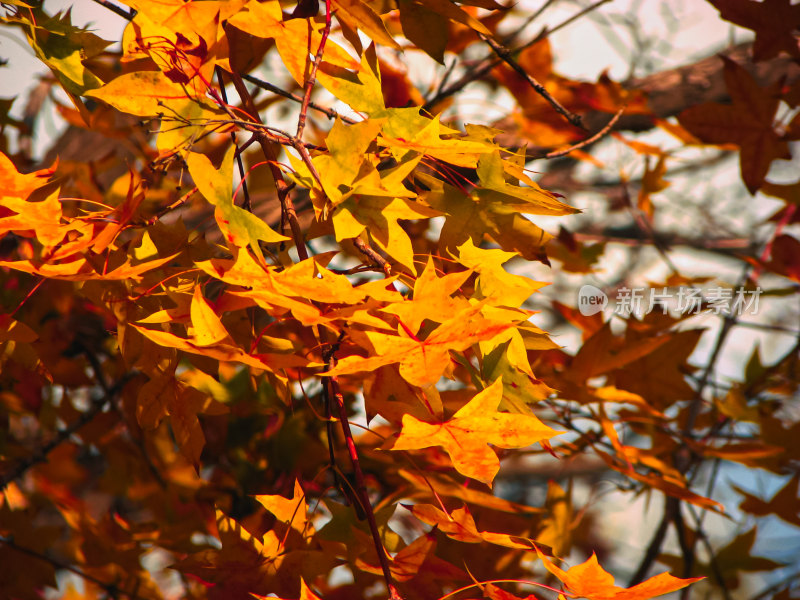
x,y
305,593
240,227
380,217
346,159
14,184
784,503
460,525
64,47
207,329
495,282
163,395
590,580
43,217
774,22
472,218
288,510
428,140
432,299
467,435
423,362
360,15
141,93
356,84
747,122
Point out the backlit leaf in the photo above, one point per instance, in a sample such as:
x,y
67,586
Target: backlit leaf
x,y
590,580
467,435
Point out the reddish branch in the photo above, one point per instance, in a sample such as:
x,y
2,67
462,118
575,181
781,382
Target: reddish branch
x,y
287,206
224,94
333,392
312,76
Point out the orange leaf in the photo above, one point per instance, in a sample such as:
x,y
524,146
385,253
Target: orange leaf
x,y
459,525
288,510
590,580
423,362
20,185
466,436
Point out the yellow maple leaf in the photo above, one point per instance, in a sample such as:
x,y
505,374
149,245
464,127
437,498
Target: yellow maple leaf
x,y
467,435
423,362
590,580
292,511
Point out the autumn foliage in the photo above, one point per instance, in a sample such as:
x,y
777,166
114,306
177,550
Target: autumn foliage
x,y
249,355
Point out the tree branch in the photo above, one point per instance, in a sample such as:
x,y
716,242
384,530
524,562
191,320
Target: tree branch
x,y
265,85
287,207
505,54
224,94
39,455
125,14
312,76
333,391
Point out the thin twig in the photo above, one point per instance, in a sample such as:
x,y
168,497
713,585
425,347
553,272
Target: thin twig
x,y
565,23
312,76
224,94
367,251
511,37
505,54
328,112
125,14
287,206
361,488
110,589
490,62
167,209
590,140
